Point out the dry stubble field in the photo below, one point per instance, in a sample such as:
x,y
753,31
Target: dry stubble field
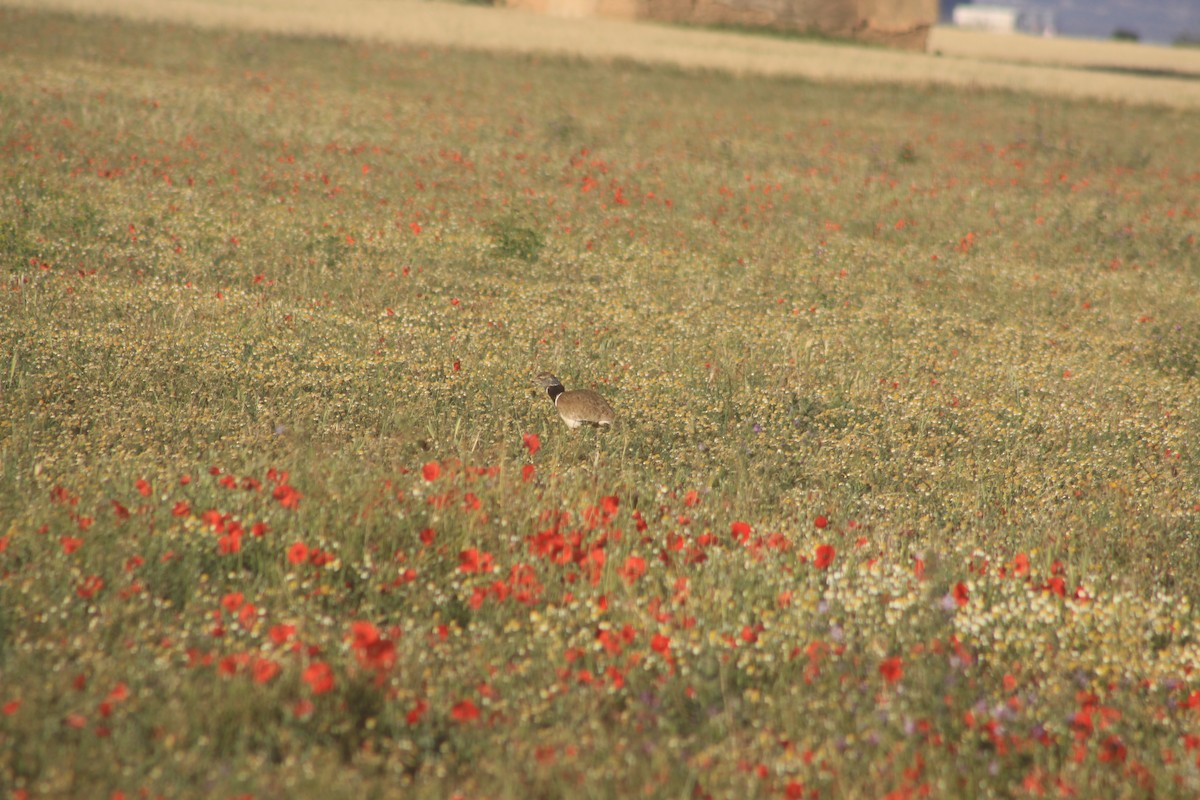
x,y
1111,71
902,501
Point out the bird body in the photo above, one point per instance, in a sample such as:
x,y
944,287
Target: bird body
x,y
578,406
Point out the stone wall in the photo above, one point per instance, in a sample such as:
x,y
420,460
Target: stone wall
x,y
901,23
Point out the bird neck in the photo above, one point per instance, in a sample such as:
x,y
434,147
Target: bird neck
x,y
554,391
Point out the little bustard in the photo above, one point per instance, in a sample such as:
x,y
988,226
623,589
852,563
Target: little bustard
x,y
578,406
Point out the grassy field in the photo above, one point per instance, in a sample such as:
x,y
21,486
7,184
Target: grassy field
x,y
902,500
1135,74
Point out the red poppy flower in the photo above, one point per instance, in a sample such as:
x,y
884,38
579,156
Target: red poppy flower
x,y
1056,584
264,669
961,593
741,532
892,669
821,521
319,677
824,556
532,443
474,560
464,711
287,496
378,655
230,543
431,470
89,587
373,650
1113,750
298,553
633,568
281,633
418,710
363,633
143,487
660,643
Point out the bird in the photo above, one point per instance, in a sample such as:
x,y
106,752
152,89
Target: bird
x,y
578,406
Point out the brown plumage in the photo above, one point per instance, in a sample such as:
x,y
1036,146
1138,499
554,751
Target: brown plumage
x,y
578,406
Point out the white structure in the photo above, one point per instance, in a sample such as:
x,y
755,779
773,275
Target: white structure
x,y
1005,19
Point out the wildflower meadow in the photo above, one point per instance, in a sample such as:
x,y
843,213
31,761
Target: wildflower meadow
x,y
902,499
